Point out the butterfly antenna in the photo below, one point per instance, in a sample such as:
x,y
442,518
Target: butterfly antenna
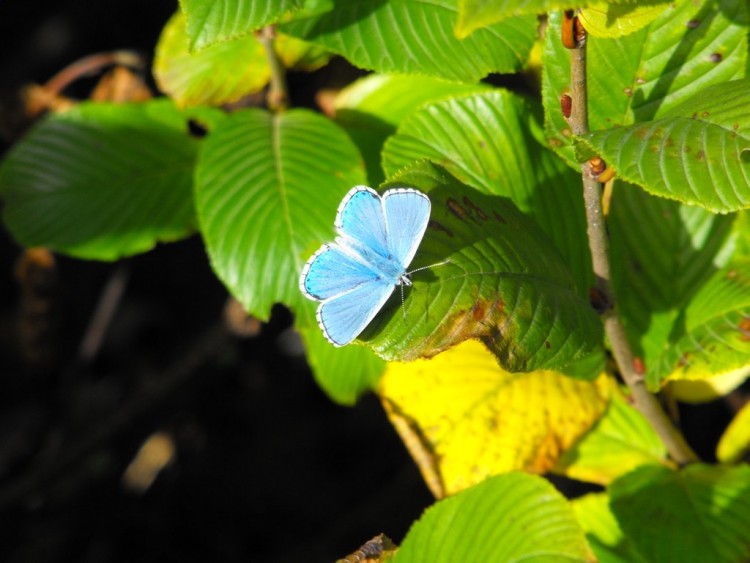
x,y
428,267
403,306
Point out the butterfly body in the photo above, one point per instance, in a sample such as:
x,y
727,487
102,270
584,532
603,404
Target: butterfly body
x,y
354,276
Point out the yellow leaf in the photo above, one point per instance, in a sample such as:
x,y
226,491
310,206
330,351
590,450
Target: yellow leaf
x,y
220,74
734,444
464,419
710,389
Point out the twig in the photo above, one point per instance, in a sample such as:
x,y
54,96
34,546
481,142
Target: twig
x,y
278,96
644,401
103,314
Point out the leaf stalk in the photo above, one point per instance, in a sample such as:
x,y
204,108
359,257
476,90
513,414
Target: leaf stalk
x,y
277,98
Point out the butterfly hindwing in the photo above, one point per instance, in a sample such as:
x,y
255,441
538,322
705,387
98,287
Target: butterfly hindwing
x,y
407,213
342,318
331,271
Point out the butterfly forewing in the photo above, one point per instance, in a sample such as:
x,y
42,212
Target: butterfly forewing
x,y
407,213
331,271
360,219
342,318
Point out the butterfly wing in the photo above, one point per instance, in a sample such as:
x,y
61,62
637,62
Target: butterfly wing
x,y
361,220
407,213
343,317
331,271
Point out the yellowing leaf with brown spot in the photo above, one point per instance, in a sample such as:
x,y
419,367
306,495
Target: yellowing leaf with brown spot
x,y
464,419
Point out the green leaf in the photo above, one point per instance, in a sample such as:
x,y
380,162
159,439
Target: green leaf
x,y
603,533
734,444
213,21
663,256
491,141
218,75
697,514
416,38
644,75
343,373
713,335
700,154
267,191
617,20
511,517
622,440
371,108
102,181
476,14
300,55
503,283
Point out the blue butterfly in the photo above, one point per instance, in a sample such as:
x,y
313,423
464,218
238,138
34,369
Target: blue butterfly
x,y
355,275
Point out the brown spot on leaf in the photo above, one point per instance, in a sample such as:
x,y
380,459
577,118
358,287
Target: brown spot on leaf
x,y
745,329
731,274
499,218
456,208
692,24
435,226
641,133
628,92
547,345
476,211
684,360
705,114
715,57
700,155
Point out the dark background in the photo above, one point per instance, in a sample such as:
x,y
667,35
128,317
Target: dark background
x,y
267,467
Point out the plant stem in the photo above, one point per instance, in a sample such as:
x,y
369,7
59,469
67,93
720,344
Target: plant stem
x,y
646,403
277,98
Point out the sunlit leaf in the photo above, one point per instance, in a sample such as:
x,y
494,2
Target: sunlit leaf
x,y
602,531
416,38
663,255
268,187
699,154
102,181
697,391
734,444
213,21
472,419
645,74
499,280
513,517
300,55
713,335
476,14
217,75
616,20
620,441
697,514
371,108
491,141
